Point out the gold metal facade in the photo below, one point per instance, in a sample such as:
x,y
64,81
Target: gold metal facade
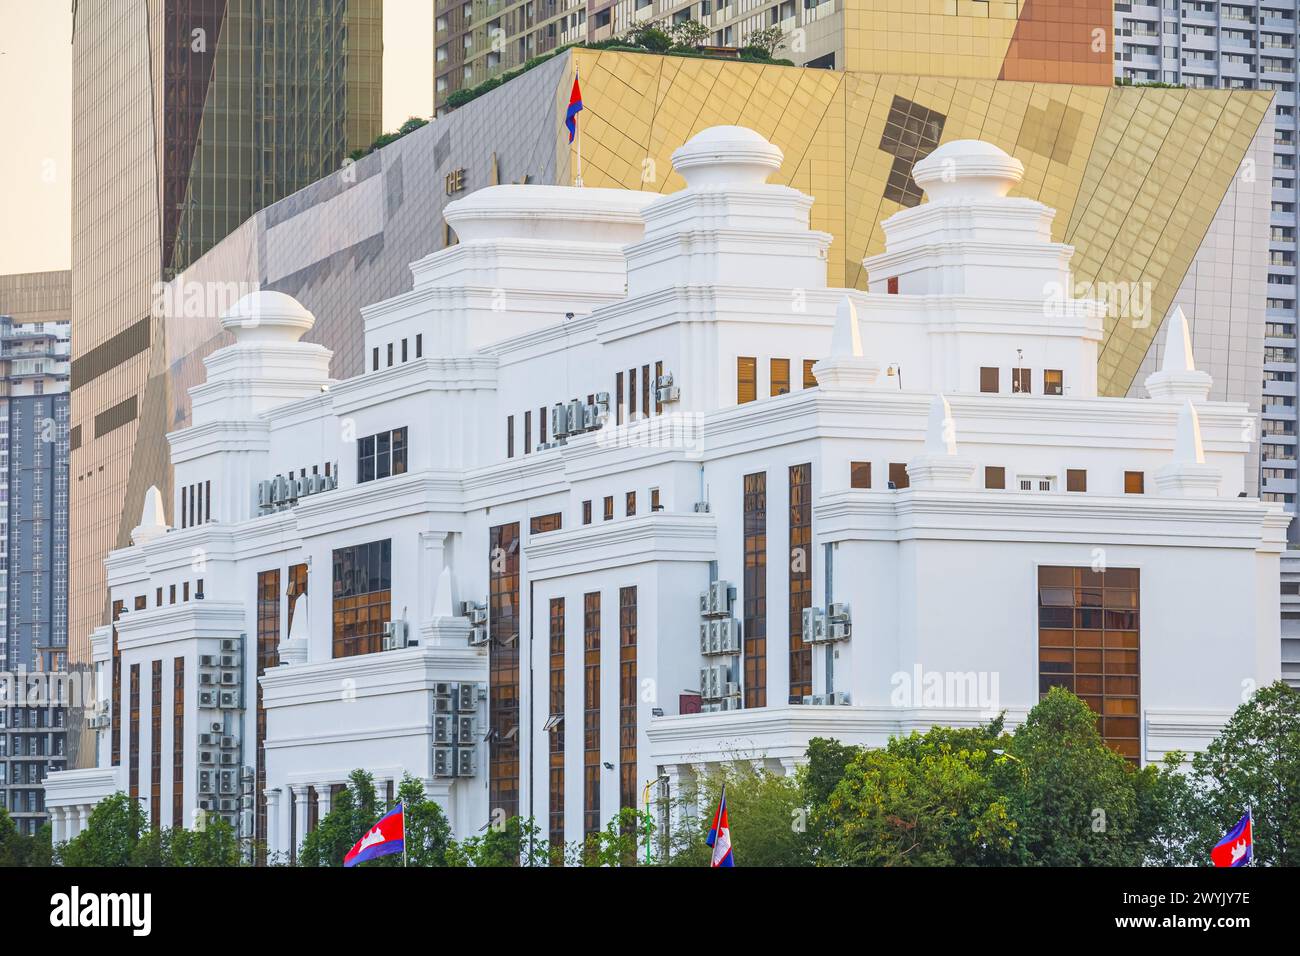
x,y
1136,174
188,116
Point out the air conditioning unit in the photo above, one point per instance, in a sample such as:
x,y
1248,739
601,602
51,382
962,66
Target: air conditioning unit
x,y
720,597
466,729
207,698
559,421
478,636
207,680
218,727
840,697
816,700
701,507
394,635
466,697
229,742
706,677
99,721
814,625
836,611
666,396
728,641
209,740
228,806
839,631
444,762
279,490
443,689
704,603
207,660
602,406
331,482
229,782
731,689
205,781
265,494
229,646
476,612
229,760
706,630
466,762
575,414
444,728
229,660
229,679
228,700
442,705
590,417
207,757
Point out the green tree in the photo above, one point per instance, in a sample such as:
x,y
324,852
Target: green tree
x,y
688,34
765,812
619,844
764,43
115,827
651,36
15,848
352,812
516,842
1254,762
1074,799
428,834
923,800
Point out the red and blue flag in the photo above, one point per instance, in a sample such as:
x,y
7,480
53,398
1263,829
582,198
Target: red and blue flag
x,y
575,107
720,835
1238,846
385,837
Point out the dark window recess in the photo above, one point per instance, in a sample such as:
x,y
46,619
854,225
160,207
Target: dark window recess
x,y
898,475
1020,381
609,507
375,359
1076,479
390,354
988,379
111,353
362,580
381,455
1134,482
74,439
859,474
586,512
510,436
1053,382
891,285
995,477
123,413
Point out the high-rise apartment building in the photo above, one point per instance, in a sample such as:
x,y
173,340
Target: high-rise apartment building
x,y
1058,41
188,117
34,341
1245,44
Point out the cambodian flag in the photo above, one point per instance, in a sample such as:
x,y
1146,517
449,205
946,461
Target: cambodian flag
x,y
575,107
720,835
385,837
1238,847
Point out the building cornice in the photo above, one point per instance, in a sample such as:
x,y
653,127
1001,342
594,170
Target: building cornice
x,y
656,537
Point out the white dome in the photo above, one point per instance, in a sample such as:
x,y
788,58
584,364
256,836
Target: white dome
x,y
726,156
967,169
564,213
267,316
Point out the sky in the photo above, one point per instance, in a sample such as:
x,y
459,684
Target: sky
x,y
36,117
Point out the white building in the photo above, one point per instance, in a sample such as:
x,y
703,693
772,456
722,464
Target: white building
x,y
599,405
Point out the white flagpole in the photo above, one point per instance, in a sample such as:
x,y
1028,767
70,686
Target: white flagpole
x,y
403,805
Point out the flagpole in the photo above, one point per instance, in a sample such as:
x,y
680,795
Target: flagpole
x,y
403,806
578,126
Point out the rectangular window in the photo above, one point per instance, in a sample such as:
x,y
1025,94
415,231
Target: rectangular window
x,y
898,475
609,507
541,419
659,373
995,477
746,379
510,436
390,354
628,693
268,655
184,505
586,512
809,379
630,506
988,379
1088,642
374,367
780,376
1020,381
1134,482
381,455
158,597
645,390
618,398
1076,479
207,501
503,669
140,602
755,585
419,346
1053,382
528,433
800,578
185,590
403,350
362,597
655,504
134,753
171,594
155,744
859,474
541,524
557,732
631,394
591,713
178,742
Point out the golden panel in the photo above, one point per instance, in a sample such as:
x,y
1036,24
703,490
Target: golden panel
x,y
1136,175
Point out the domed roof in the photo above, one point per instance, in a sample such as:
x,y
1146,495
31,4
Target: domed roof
x,y
967,169
727,156
265,316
